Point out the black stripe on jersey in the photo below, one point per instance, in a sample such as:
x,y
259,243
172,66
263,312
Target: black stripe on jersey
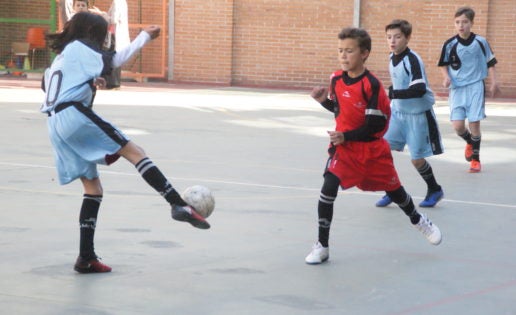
x,y
108,129
433,133
441,62
333,97
375,89
415,67
415,90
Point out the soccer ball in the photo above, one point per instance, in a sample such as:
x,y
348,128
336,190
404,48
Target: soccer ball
x,y
201,198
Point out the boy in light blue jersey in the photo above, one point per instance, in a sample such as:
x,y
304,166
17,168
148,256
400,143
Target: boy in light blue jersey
x,y
413,121
466,60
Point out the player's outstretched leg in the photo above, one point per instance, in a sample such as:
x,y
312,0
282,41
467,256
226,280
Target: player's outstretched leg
x,y
420,221
180,210
188,214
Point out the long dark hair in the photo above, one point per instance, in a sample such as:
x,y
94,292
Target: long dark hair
x,y
83,25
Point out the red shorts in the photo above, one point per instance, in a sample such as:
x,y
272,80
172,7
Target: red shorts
x,y
366,165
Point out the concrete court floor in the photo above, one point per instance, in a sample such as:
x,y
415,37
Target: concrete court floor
x,y
262,153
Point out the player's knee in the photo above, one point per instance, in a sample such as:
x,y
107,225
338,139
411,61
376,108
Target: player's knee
x,y
132,152
92,186
418,163
331,185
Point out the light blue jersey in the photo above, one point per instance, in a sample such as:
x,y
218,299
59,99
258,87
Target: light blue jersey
x,y
81,139
413,121
467,59
70,77
410,91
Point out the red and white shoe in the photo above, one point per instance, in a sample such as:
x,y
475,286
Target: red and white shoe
x,y
188,214
90,266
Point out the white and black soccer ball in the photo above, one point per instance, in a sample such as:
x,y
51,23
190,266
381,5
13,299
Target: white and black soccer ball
x,y
201,198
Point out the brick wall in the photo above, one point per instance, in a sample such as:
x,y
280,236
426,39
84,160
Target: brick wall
x,y
286,43
17,32
432,23
203,41
290,43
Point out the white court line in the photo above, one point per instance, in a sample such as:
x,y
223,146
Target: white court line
x,y
236,183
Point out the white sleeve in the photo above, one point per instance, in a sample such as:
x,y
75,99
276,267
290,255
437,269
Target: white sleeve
x,y
127,52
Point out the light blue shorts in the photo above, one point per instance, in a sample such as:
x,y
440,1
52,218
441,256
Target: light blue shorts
x,y
419,132
81,140
468,102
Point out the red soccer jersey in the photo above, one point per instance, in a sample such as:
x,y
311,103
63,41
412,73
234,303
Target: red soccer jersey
x,y
365,163
356,98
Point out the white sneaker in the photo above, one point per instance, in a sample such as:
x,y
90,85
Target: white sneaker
x,y
319,254
429,230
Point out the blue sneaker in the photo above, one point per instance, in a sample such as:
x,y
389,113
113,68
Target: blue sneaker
x,y
432,199
384,202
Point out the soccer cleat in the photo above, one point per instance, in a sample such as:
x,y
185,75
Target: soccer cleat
x,y
188,214
468,152
475,167
429,230
319,254
384,202
432,199
90,266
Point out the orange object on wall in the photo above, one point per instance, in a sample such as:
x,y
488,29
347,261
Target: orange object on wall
x,y
36,37
36,40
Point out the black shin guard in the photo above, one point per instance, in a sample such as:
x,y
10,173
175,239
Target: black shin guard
x,y
87,222
427,174
325,206
466,136
404,201
153,176
475,143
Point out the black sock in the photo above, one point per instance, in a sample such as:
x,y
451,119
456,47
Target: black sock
x,y
153,176
427,174
475,143
466,136
87,222
404,201
325,206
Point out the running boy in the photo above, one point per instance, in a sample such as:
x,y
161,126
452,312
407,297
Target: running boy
x,y
413,121
359,155
81,139
466,60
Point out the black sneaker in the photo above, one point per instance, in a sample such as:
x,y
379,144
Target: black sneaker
x,y
90,266
188,214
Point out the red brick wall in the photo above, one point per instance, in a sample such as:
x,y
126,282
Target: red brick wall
x,y
203,39
501,34
432,22
285,43
288,43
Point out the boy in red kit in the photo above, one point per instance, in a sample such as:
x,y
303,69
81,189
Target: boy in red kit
x,y
359,156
